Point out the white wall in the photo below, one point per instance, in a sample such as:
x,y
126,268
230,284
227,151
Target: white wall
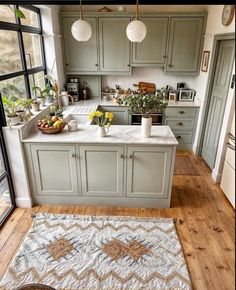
x,y
214,27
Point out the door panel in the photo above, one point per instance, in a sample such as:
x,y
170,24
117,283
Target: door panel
x,y
218,99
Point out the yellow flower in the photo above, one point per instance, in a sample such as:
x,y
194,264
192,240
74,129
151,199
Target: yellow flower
x,y
109,115
98,114
91,116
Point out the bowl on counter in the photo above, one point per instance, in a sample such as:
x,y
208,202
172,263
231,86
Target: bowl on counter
x,y
52,130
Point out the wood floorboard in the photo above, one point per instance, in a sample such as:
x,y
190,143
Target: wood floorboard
x,y
207,231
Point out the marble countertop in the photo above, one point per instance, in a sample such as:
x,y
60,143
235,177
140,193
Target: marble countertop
x,y
118,134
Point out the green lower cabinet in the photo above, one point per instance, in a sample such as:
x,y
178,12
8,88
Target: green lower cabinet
x,y
54,170
121,115
102,170
149,172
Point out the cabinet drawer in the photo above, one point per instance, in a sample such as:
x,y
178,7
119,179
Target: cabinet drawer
x,y
183,137
177,124
182,111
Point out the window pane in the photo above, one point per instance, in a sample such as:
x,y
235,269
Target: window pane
x,y
31,18
6,14
2,167
16,84
32,50
5,200
9,52
37,80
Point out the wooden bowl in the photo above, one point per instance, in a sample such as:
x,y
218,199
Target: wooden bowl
x,y
52,130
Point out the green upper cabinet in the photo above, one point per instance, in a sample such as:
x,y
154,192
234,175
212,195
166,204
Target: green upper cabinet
x,y
152,50
185,42
80,56
114,46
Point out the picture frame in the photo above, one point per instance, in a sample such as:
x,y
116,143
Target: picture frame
x,y
205,60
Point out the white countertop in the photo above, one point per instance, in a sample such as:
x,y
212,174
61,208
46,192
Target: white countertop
x,y
118,134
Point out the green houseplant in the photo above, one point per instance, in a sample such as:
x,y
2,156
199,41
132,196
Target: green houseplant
x,y
43,93
146,104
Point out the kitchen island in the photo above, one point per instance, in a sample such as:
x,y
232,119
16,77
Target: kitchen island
x,y
121,169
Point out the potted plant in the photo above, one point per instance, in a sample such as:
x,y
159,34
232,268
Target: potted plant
x,y
35,106
26,105
43,93
103,120
146,104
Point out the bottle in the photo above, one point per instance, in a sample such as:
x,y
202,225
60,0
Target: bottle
x,y
85,90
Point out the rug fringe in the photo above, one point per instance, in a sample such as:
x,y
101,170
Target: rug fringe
x,y
33,215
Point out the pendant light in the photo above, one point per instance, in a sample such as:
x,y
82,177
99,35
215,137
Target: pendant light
x,y
81,29
136,29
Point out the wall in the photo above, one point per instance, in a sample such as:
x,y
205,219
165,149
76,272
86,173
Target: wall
x,y
214,27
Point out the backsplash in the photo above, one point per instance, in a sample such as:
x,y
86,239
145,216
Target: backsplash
x,y
152,75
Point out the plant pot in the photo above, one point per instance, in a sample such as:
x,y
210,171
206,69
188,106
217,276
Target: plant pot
x,y
50,99
102,131
22,115
146,126
35,107
42,101
13,120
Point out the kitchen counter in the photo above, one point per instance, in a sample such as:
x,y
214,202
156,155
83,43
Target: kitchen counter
x,y
118,134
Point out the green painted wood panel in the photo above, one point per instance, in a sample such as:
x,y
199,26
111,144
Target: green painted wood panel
x,y
183,124
184,48
121,115
148,171
114,45
152,50
218,99
182,112
102,170
55,170
80,56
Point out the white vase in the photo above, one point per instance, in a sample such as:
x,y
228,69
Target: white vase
x,y
102,131
146,126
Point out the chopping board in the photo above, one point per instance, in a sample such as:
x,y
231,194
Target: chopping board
x,y
146,87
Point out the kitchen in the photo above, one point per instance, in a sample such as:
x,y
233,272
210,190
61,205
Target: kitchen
x,y
98,80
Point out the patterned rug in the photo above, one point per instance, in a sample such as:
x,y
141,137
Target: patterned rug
x,y
92,252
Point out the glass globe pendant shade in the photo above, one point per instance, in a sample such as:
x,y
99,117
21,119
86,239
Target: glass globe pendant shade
x,y
81,30
136,31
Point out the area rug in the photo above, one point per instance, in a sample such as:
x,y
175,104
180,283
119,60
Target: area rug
x,y
184,166
99,252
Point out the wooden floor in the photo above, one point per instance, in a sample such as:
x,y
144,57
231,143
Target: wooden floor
x,y
207,232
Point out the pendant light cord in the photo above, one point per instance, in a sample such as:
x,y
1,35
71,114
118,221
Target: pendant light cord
x,y
137,10
81,9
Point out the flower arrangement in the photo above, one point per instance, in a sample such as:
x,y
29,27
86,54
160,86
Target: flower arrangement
x,y
146,103
100,118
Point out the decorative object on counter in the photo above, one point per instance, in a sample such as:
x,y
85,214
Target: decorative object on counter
x,y
72,126
146,104
104,9
186,95
85,90
144,87
205,60
136,29
81,30
54,89
35,106
43,93
180,86
26,104
22,115
56,111
103,120
65,97
51,125
173,94
73,89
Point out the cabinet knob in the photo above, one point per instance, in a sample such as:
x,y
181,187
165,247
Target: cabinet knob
x,y
96,64
170,65
181,112
121,156
164,56
178,137
67,64
131,156
128,65
73,155
179,124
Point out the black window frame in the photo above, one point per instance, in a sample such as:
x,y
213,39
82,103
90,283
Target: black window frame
x,y
20,29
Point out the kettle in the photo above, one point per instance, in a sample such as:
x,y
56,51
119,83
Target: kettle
x,y
65,98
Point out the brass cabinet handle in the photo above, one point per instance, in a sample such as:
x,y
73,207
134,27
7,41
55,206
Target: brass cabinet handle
x,y
128,65
67,64
73,155
178,137
181,112
164,56
122,156
170,65
96,64
179,124
131,156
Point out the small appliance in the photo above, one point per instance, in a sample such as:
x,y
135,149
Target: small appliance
x,y
186,95
73,90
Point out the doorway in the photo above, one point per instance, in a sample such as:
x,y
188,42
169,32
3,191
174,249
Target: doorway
x,y
214,114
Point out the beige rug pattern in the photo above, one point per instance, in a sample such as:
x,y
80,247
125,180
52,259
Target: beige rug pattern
x,y
92,252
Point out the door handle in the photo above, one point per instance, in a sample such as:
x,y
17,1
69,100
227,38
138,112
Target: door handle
x,y
73,155
131,156
179,124
230,146
181,112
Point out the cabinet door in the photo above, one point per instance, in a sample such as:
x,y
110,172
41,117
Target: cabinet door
x,y
102,170
152,50
55,171
149,172
121,115
185,44
114,45
80,56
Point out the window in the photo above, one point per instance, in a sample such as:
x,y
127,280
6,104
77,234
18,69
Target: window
x,y
22,59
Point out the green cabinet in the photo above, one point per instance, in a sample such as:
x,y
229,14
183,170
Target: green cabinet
x,y
185,43
183,122
114,46
80,56
152,50
121,115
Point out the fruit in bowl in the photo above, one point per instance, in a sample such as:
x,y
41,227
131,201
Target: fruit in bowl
x,y
51,125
